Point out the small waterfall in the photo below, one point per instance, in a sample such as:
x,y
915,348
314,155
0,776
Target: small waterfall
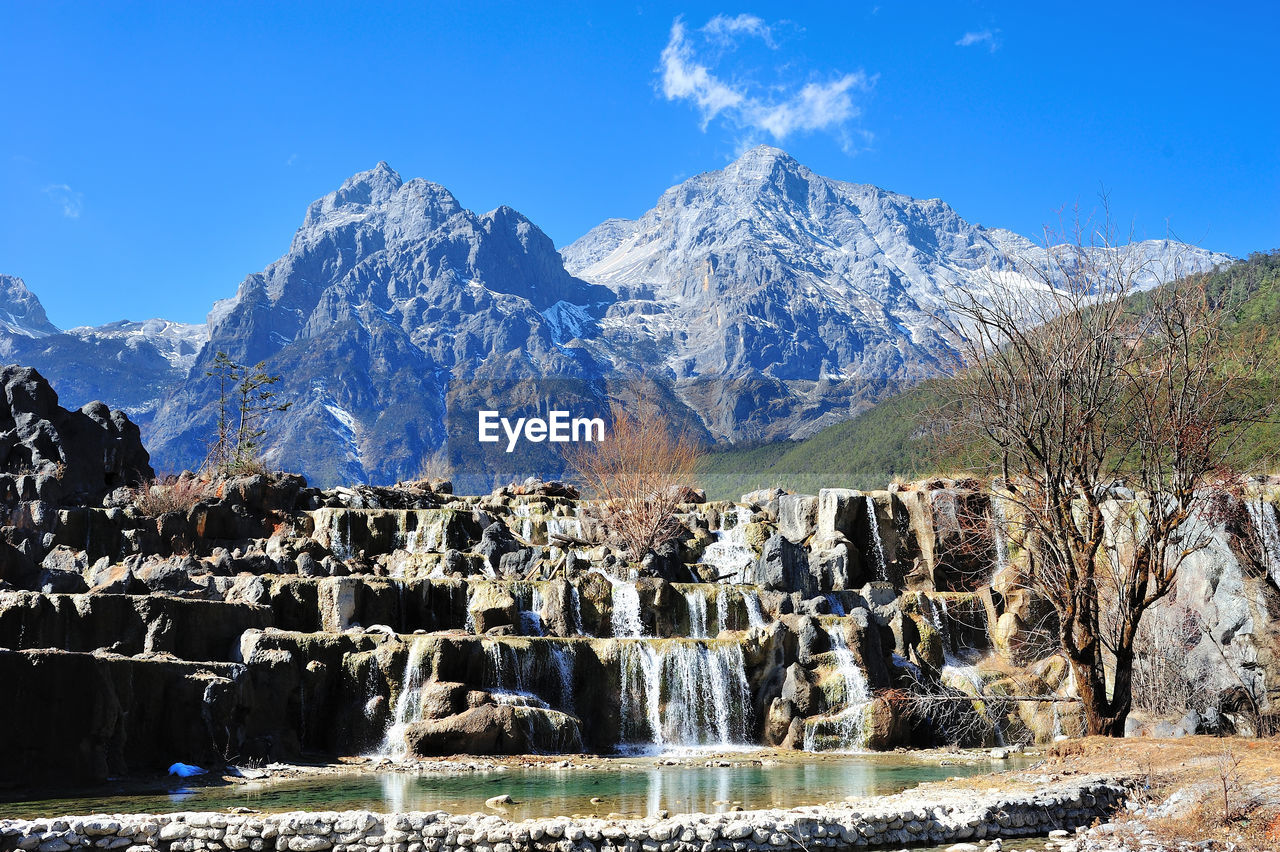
x,y
529,599
425,535
1263,515
566,526
564,655
408,703
730,554
848,692
575,600
722,610
511,675
939,622
952,665
626,611
755,615
683,693
877,545
696,602
525,514
1000,531
639,701
333,529
626,621
834,602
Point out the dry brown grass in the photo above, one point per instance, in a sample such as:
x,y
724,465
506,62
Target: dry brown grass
x,y
174,494
1233,783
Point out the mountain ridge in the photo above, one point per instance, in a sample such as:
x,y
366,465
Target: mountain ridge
x,y
762,301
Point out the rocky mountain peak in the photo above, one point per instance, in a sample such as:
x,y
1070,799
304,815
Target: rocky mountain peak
x,y
362,190
20,311
762,161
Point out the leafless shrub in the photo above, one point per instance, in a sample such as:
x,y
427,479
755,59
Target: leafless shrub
x,y
1164,682
637,475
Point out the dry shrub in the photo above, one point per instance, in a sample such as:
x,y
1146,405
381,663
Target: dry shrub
x,y
638,475
171,494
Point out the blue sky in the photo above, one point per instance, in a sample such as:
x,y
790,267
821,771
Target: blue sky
x,y
152,155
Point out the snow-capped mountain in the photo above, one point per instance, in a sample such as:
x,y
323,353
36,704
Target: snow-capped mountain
x,y
132,364
771,289
393,314
760,300
21,313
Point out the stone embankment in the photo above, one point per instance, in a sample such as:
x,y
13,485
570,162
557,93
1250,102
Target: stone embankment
x,y
913,818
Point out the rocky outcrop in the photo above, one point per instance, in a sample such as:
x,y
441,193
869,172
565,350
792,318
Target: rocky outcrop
x,y
48,453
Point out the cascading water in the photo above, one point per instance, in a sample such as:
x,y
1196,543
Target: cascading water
x,y
1000,531
1263,515
575,599
626,622
418,532
877,546
529,599
755,615
525,514
512,676
408,703
729,554
939,622
846,689
696,603
953,667
564,656
683,693
722,610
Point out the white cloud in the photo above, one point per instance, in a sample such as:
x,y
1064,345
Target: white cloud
x,y
986,37
725,29
779,109
71,202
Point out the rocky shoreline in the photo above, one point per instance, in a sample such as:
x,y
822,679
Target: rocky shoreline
x,y
921,817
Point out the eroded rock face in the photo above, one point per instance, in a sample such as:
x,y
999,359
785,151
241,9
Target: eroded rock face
x,y
77,717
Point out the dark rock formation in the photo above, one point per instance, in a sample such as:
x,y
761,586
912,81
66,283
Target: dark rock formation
x,y
49,453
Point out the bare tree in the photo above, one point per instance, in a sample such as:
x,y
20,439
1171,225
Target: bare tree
x,y
1110,418
237,448
639,475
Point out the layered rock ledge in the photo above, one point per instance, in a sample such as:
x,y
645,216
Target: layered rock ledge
x,y
914,818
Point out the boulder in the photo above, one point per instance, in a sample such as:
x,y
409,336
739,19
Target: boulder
x,y
840,512
441,699
557,611
495,542
62,581
797,516
491,606
883,726
495,729
784,566
799,690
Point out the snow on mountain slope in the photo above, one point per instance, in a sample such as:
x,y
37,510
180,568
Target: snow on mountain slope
x,y
769,274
